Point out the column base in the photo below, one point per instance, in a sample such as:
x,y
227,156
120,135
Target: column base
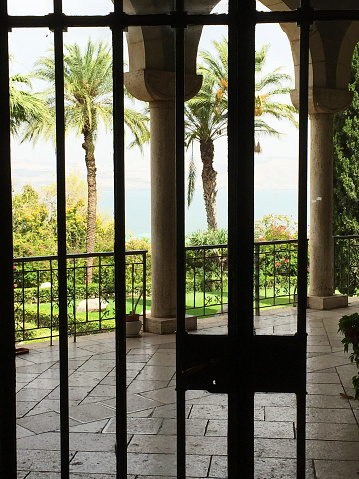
x,y
169,325
327,302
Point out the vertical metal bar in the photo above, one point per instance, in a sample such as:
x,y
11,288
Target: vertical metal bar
x,y
256,278
144,279
7,337
61,235
241,56
180,239
119,247
52,302
302,233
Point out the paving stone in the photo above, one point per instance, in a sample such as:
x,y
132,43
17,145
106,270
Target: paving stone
x,y
329,469
164,395
325,389
334,450
199,445
137,425
278,399
328,402
99,463
94,426
323,378
76,393
194,427
48,421
135,402
337,416
91,412
32,394
153,444
23,407
329,431
23,432
205,411
139,386
327,361
163,358
281,448
88,379
156,373
46,405
39,460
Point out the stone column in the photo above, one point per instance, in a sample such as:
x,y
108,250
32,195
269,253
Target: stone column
x,y
163,209
158,88
321,208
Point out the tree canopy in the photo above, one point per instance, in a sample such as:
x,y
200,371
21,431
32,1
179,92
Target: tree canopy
x,y
346,161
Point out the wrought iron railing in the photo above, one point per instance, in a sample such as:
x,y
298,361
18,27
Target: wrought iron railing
x,y
36,293
346,264
275,276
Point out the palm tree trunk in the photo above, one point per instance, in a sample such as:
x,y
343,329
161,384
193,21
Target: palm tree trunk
x,y
209,182
89,148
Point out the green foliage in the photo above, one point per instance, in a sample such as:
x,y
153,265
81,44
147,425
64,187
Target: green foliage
x,y
346,161
349,326
275,227
210,237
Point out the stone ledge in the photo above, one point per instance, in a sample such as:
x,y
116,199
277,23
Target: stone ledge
x,y
328,302
169,325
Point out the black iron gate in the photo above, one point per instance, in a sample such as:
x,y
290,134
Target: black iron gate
x,y
219,364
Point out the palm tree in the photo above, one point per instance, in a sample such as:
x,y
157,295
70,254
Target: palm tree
x,y
206,115
88,100
24,106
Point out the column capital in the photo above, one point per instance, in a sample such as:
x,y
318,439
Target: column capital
x,y
152,85
324,100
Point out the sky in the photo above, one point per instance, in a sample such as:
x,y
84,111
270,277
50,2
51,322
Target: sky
x,y
275,168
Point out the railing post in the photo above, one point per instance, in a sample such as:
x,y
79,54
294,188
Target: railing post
x,y
144,285
256,279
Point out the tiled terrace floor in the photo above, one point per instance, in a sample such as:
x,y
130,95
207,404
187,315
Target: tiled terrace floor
x,y
332,429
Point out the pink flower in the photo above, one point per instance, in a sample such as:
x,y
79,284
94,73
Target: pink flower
x,y
287,260
15,285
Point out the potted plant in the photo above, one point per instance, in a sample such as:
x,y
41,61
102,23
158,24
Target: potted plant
x,y
349,326
133,323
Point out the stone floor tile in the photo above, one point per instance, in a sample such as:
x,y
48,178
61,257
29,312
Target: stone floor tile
x,y
23,407
93,426
278,399
48,421
212,399
325,378
43,383
95,365
332,450
91,412
157,373
23,432
318,340
328,431
336,416
194,427
137,425
329,469
217,427
88,379
319,349
135,402
346,373
153,444
199,445
328,402
76,393
275,413
33,394
88,462
164,395
139,386
281,448
163,358
135,366
39,461
275,430
46,405
103,390
25,377
327,361
205,411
